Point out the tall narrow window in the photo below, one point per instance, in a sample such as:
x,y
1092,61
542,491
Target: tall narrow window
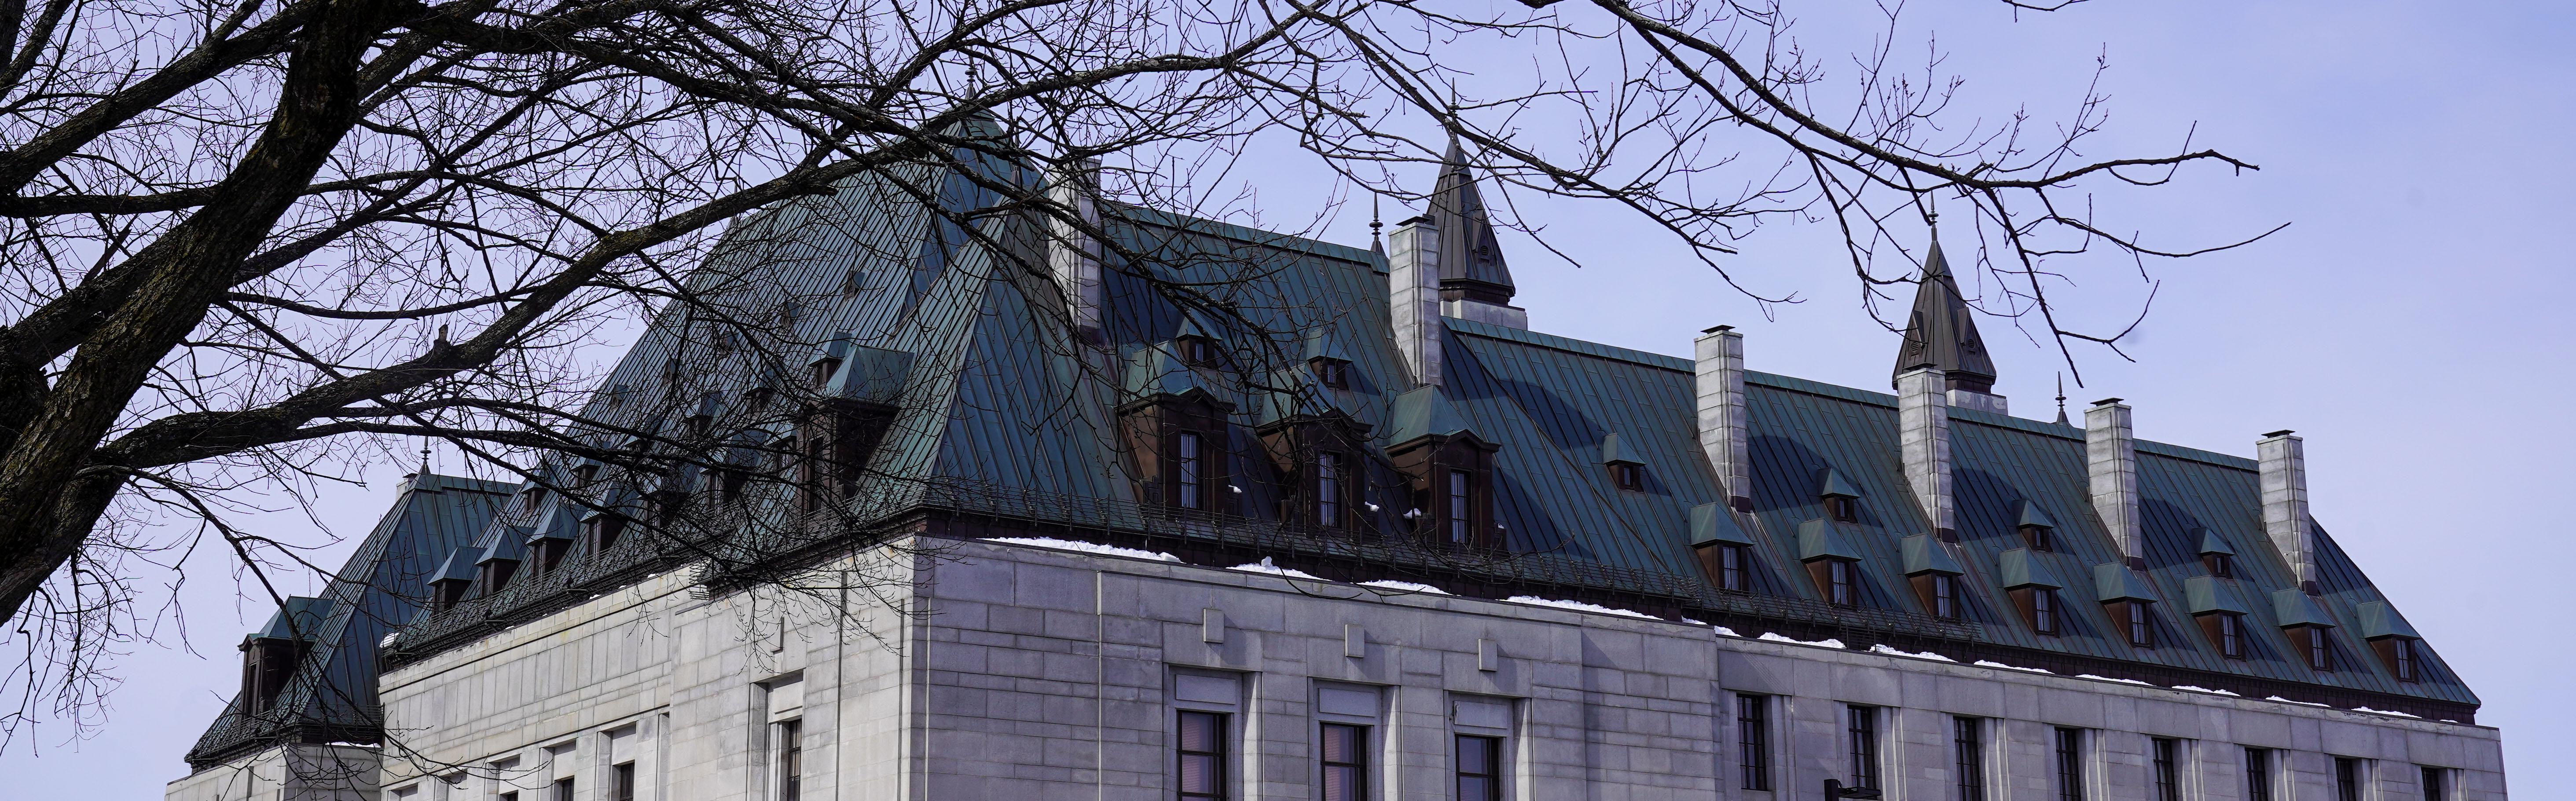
x,y
622,781
1839,582
563,789
1345,762
2167,756
2038,539
2142,626
2347,779
2070,765
2436,784
1480,768
1328,490
1333,373
1843,509
1945,595
1191,471
2320,650
2258,774
2219,564
2231,636
1630,477
1730,567
1753,740
2402,656
1969,751
1202,756
1861,736
1461,508
791,760
2043,610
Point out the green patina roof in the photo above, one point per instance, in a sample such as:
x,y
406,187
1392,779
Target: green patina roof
x,y
2291,607
1426,412
1714,524
2022,568
2026,513
2378,619
2113,581
2211,543
1831,484
1823,539
1924,554
2206,594
1611,453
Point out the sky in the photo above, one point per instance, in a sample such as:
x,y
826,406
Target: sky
x,y
2408,323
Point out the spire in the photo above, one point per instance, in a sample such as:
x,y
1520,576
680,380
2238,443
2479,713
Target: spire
x,y
2061,399
1376,245
1471,267
1941,334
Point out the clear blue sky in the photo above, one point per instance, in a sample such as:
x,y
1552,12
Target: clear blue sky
x,y
2408,323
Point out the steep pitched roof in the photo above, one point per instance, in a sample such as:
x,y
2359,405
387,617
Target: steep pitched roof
x,y
1941,332
1470,253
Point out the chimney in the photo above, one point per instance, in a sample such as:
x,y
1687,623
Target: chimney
x,y
2111,459
1923,412
1073,256
2284,462
1413,292
1722,424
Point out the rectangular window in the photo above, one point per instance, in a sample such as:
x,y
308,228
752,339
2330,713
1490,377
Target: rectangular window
x,y
2231,636
1839,579
2320,649
1202,754
2142,626
791,760
1969,751
622,781
1753,740
2258,774
1861,736
2070,764
2167,756
2436,784
1191,472
563,789
1843,510
1328,490
1461,508
1345,762
2403,651
1945,596
1631,477
2043,610
1480,768
2219,564
1730,567
2347,779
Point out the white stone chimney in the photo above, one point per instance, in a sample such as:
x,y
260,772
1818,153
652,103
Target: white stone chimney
x,y
1073,256
2111,459
1923,420
2284,463
1723,433
1413,294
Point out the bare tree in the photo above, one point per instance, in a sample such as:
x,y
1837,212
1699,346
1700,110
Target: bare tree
x,y
249,241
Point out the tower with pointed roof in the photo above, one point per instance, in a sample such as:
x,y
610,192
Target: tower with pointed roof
x,y
1475,282
1941,333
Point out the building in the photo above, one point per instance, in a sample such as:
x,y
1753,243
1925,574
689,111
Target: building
x,y
1352,532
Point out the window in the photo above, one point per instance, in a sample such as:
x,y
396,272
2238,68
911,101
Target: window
x,y
1730,567
2168,770
1345,762
2320,650
1480,768
1838,581
2347,779
2436,784
2070,764
1945,596
550,553
822,372
2258,774
2231,636
1202,756
1328,490
1333,373
584,474
2037,537
1191,470
2142,626
622,781
1968,747
1861,736
2401,658
531,498
1198,351
1753,740
791,760
1843,509
1628,476
563,789
1461,508
2219,564
601,532
2043,610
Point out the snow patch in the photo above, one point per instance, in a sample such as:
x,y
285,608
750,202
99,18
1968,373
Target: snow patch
x,y
1578,606
2301,703
1883,649
1822,643
2385,712
1985,663
2206,690
1728,632
1085,547
1406,586
2107,678
1264,566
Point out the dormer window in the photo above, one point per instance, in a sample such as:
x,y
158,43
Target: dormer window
x,y
2138,621
1332,373
1189,463
1728,565
2038,530
758,398
2227,631
2391,637
1841,498
697,424
1841,509
821,371
1832,563
1461,517
2399,653
2043,609
601,531
583,474
2219,564
1934,571
1725,554
532,498
1198,351
1840,586
2032,584
2038,538
2319,648
1328,490
1630,477
1945,596
550,551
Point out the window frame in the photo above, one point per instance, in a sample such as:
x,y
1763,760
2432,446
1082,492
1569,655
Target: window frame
x,y
1629,477
1355,766
1496,769
1968,753
2045,615
1459,507
2231,635
1328,489
1945,596
2039,539
621,781
2404,661
1730,568
1332,373
2318,648
2349,776
1842,583
1216,755
1842,508
2433,783
1860,743
788,759
2068,745
1753,741
2219,565
2258,774
1189,470
2139,623
2164,755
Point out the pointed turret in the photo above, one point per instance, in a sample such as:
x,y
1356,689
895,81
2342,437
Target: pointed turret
x,y
1941,334
1475,283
